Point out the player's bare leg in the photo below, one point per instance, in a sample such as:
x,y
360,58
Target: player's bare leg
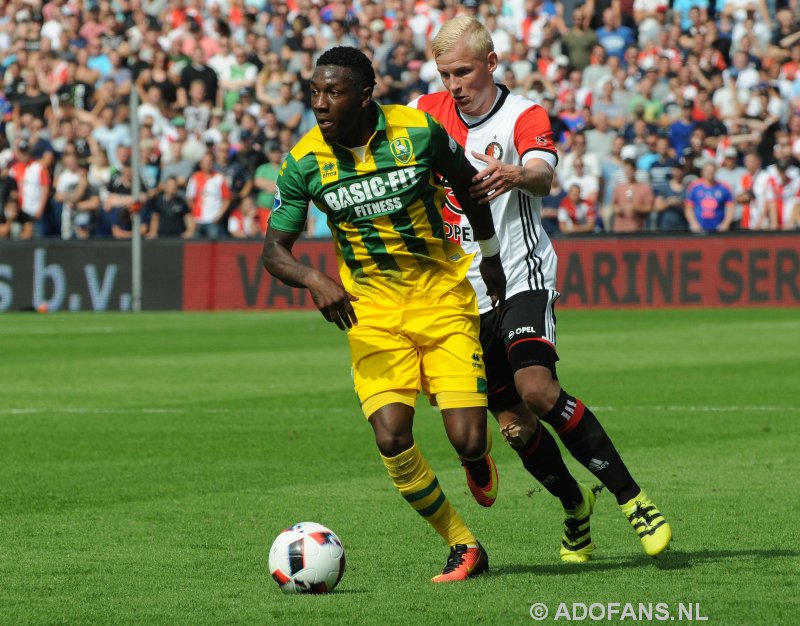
x,y
416,482
467,431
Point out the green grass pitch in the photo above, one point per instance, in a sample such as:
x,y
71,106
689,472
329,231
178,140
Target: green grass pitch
x,y
147,462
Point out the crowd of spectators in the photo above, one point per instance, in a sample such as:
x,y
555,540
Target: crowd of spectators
x,y
679,115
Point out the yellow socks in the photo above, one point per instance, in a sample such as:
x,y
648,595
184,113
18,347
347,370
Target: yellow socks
x,y
417,483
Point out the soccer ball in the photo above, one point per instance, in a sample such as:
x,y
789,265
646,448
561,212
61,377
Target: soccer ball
x,y
307,558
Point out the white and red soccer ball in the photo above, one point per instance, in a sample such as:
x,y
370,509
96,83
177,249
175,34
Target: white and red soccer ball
x,y
307,558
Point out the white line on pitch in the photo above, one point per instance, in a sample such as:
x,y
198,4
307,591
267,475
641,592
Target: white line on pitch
x,y
148,410
708,409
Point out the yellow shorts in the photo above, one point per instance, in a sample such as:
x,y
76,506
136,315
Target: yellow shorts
x,y
428,346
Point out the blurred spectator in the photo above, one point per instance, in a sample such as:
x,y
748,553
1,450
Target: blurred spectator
x,y
214,133
794,134
599,139
340,35
250,154
556,70
75,203
235,76
669,202
197,112
248,221
414,85
249,104
500,37
170,215
14,223
713,127
709,204
609,105
238,181
522,63
650,16
288,109
579,40
304,70
573,85
729,171
176,164
222,60
393,73
612,174
750,194
97,58
782,197
559,128
590,161
575,215
269,80
509,80
741,77
587,183
150,112
99,166
681,10
266,177
114,218
784,34
647,153
32,100
651,106
33,183
613,36
8,186
572,117
680,131
111,130
210,198
159,75
632,202
600,69
91,28
661,168
198,70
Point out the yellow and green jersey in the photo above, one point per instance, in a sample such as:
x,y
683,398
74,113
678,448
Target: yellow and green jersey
x,y
384,209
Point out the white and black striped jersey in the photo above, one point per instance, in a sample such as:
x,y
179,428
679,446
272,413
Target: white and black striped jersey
x,y
514,131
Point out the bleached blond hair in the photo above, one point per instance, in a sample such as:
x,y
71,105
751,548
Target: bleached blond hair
x,y
462,28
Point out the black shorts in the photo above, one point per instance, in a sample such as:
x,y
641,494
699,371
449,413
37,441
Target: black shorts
x,y
521,335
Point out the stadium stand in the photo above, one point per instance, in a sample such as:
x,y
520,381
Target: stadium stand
x,y
684,84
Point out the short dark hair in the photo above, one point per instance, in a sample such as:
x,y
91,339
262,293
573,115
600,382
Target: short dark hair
x,y
353,59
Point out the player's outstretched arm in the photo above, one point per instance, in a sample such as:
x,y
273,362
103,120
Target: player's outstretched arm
x,y
329,296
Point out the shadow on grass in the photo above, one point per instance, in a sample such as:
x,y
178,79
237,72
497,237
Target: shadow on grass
x,y
347,592
670,560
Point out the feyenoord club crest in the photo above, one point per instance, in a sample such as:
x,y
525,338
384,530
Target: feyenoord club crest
x,y
401,149
494,150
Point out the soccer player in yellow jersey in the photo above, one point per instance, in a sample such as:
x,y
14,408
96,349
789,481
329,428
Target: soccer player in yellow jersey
x,y
410,313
